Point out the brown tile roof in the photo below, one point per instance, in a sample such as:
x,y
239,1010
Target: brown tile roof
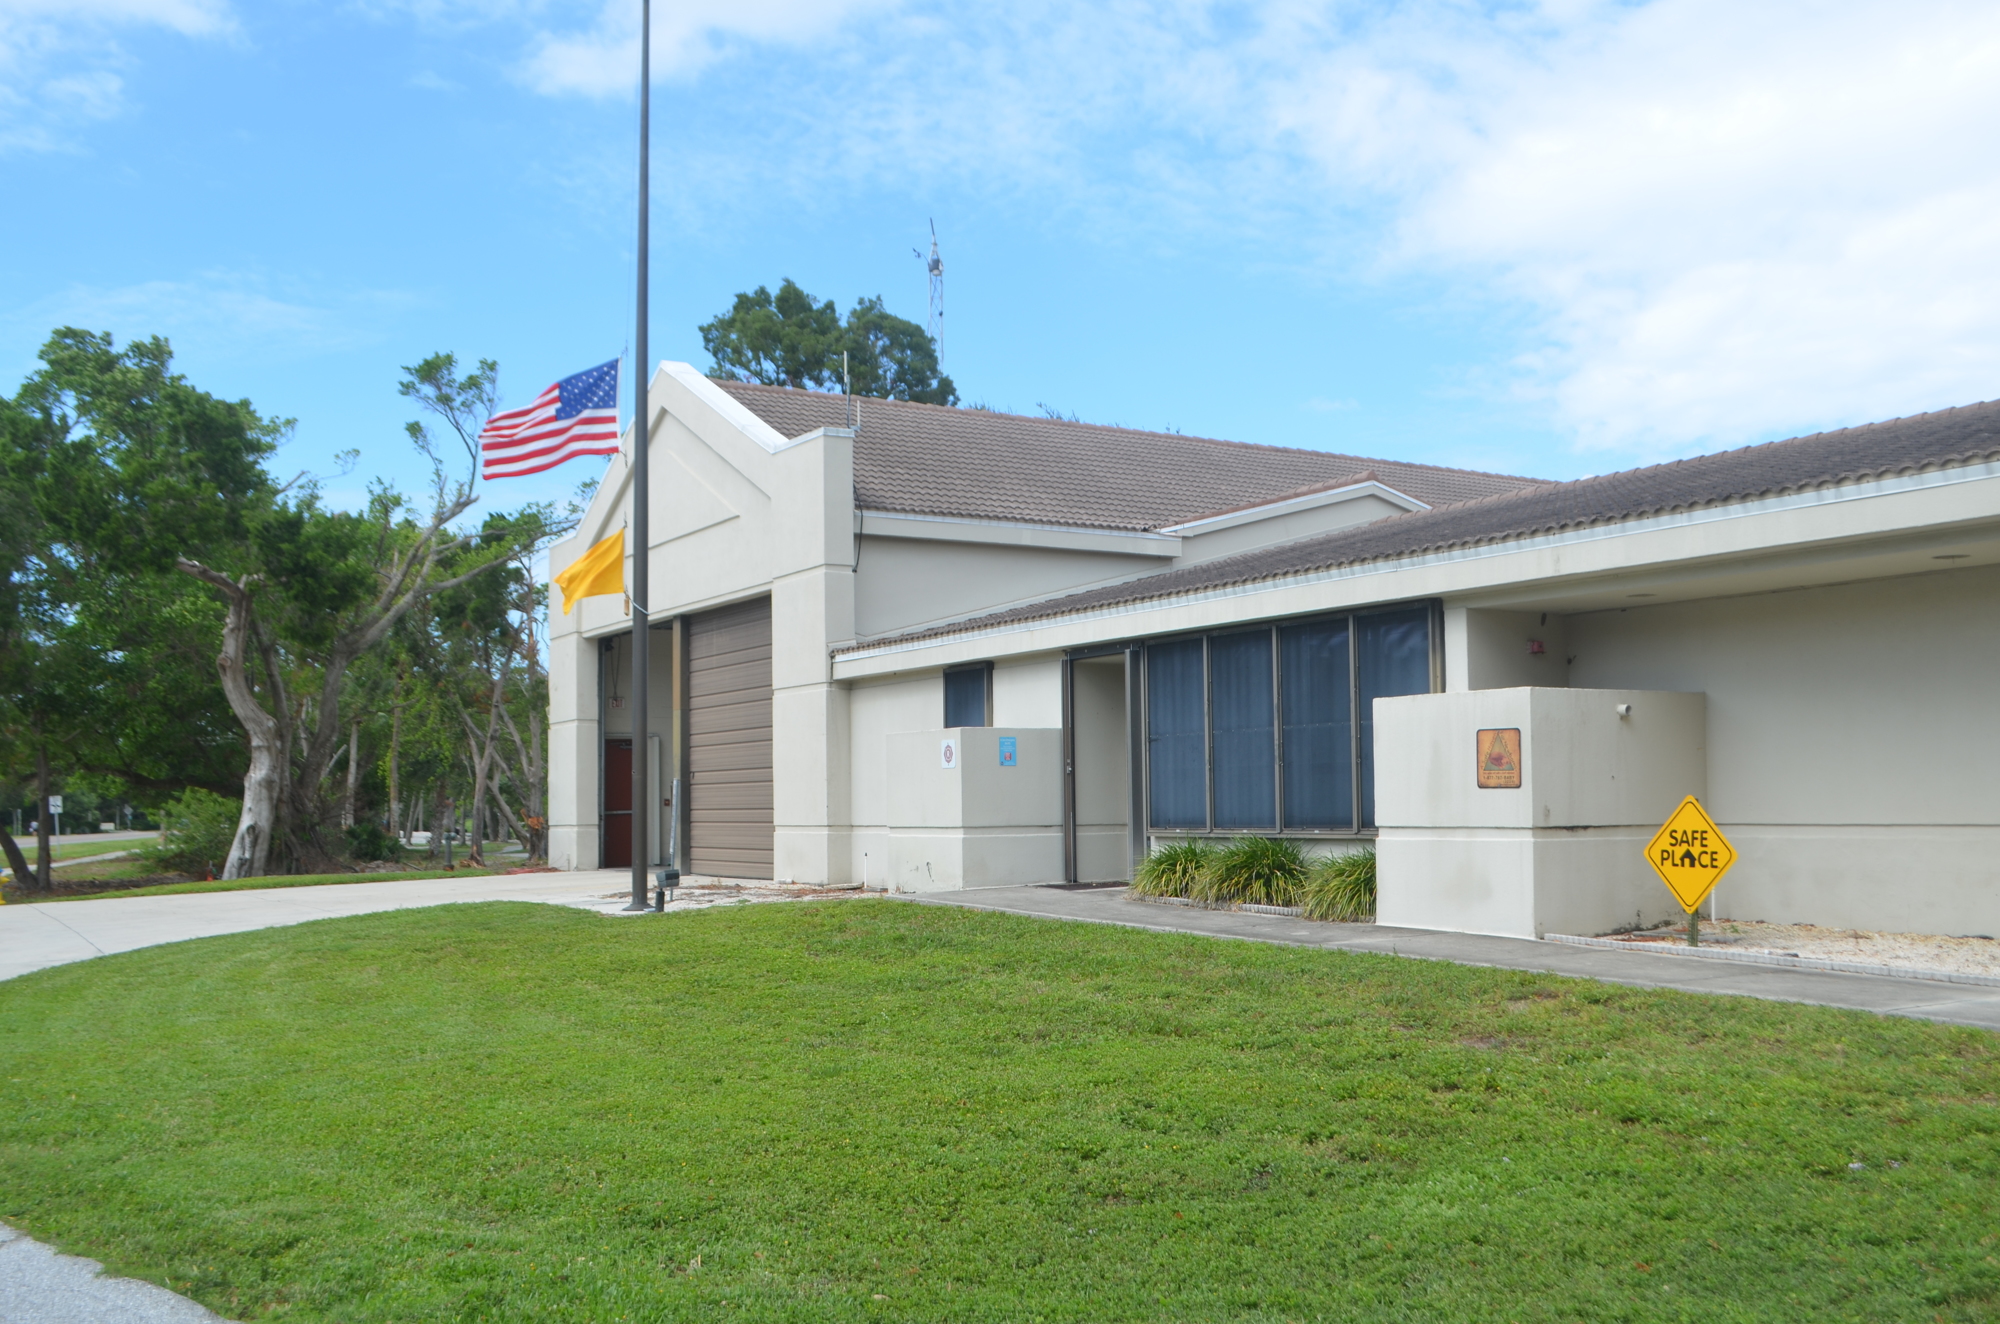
x,y
1947,439
929,460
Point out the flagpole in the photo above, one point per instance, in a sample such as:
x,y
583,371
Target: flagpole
x,y
642,793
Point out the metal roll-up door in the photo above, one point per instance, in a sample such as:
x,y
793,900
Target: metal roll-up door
x,y
729,741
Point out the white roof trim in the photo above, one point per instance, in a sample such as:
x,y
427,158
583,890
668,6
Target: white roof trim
x,y
817,434
724,404
1229,519
970,521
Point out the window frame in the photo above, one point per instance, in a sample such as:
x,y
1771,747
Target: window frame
x,y
986,685
1143,709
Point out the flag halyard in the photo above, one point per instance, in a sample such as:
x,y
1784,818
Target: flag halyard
x,y
576,416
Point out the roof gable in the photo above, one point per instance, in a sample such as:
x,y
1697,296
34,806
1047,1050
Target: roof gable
x,y
931,460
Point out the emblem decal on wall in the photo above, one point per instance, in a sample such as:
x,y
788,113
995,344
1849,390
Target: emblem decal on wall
x,y
1500,758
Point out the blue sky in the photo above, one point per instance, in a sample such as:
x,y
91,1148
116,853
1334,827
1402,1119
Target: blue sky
x,y
1555,238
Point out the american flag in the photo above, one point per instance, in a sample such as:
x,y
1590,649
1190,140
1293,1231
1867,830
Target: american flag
x,y
576,416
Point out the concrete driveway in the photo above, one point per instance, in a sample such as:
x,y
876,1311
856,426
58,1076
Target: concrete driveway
x,y
34,936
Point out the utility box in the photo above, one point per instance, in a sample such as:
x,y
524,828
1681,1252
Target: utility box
x,y
1553,843
977,806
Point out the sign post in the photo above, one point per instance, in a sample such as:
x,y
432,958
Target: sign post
x,y
1690,854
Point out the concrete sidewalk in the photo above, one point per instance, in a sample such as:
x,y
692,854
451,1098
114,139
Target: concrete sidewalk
x,y
34,936
38,1285
1955,1004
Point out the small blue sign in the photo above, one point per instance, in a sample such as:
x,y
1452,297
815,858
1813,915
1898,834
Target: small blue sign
x,y
1006,751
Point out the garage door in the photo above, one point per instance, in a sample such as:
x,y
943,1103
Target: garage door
x,y
729,741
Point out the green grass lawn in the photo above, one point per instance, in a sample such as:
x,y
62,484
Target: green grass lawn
x,y
88,846
866,1110
129,866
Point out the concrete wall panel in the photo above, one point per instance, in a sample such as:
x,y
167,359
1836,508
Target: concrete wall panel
x,y
1028,692
906,583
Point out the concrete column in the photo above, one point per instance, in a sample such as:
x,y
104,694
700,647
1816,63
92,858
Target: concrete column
x,y
573,742
1561,850
812,610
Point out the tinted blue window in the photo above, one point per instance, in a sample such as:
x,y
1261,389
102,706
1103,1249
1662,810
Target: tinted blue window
x,y
1393,656
1240,693
1318,725
965,697
1176,752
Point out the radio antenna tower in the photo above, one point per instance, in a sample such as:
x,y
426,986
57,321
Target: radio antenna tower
x,y
935,266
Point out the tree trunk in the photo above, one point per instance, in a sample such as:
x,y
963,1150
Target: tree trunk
x,y
250,853
23,876
44,853
395,754
514,826
475,853
538,802
353,762
528,756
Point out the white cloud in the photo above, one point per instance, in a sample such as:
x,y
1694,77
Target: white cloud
x,y
1708,221
1714,221
1730,219
602,59
59,60
192,17
215,314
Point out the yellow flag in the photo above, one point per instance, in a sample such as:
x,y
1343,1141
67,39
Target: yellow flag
x,y
599,570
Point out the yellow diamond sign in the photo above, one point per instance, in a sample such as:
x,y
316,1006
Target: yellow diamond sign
x,y
1690,854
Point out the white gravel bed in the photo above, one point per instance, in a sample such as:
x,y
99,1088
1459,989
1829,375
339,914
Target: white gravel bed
x,y
701,893
1290,912
1936,954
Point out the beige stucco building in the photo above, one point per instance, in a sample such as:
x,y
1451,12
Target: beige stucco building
x,y
932,648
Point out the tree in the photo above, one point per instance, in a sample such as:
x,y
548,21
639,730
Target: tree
x,y
136,480
341,582
790,339
108,464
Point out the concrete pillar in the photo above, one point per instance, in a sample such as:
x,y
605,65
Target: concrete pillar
x,y
812,609
1561,850
573,752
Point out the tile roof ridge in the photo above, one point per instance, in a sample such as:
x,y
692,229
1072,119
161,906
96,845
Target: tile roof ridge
x,y
964,411
1711,458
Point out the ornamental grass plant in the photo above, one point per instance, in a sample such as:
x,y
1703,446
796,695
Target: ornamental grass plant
x,y
1340,887
1264,871
1258,871
1175,869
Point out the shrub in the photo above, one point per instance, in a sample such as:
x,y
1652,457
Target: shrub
x,y
197,829
1175,869
1341,887
368,842
1263,871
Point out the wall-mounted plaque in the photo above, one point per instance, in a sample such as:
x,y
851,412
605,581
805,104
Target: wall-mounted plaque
x,y
1500,758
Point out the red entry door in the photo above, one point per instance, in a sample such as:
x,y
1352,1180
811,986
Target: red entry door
x,y
617,804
